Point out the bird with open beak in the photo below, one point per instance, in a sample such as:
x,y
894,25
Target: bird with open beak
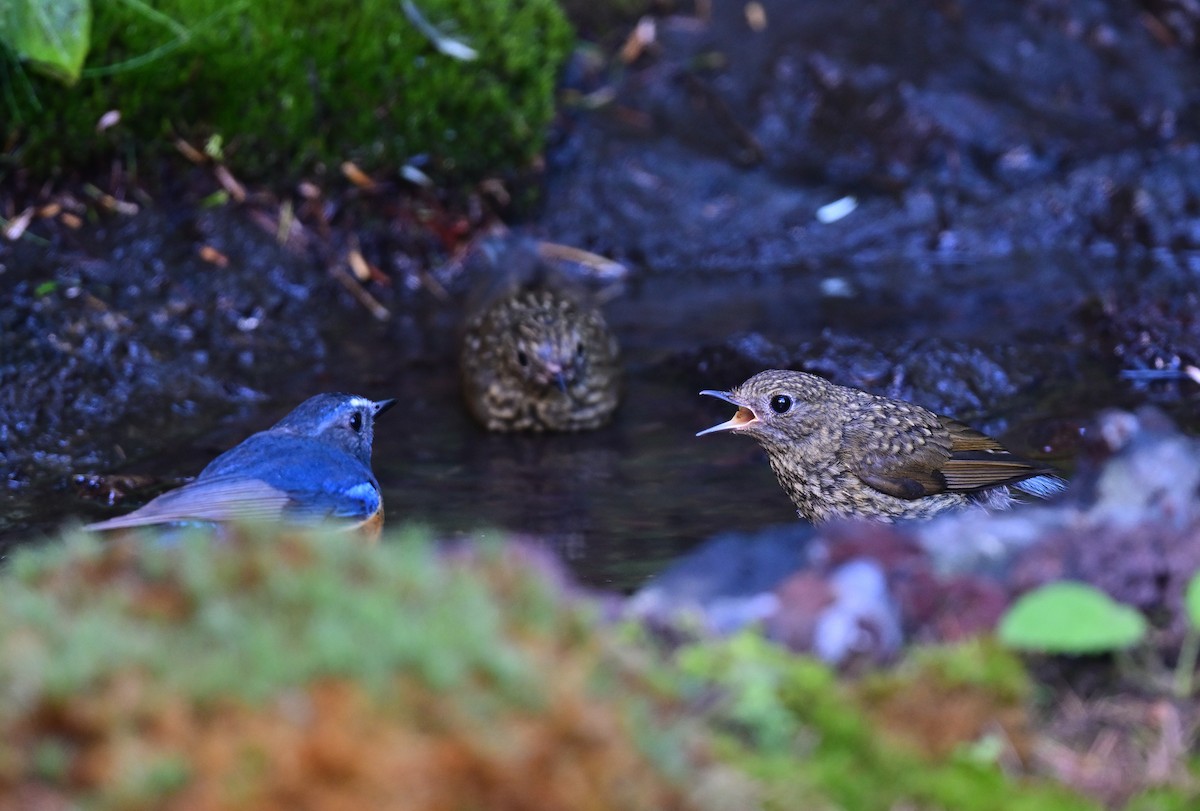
x,y
843,452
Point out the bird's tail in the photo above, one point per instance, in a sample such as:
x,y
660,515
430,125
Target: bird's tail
x,y
1043,486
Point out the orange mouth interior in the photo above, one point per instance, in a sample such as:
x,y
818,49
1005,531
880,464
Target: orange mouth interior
x,y
742,417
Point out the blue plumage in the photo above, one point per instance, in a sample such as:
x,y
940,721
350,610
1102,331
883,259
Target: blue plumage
x,y
313,465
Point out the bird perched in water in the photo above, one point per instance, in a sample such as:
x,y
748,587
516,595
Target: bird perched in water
x,y
842,452
538,358
314,465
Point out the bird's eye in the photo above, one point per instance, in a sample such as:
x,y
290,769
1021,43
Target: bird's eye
x,y
356,422
522,358
781,403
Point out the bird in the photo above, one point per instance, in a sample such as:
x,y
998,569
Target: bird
x,y
539,357
312,466
840,452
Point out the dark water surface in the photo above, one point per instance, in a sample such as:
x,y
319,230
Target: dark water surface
x,y
621,502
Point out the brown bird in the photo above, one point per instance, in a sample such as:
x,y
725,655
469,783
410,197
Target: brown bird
x,y
842,452
539,359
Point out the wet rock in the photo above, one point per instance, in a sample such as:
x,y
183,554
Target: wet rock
x,y
974,383
1134,535
932,606
841,612
125,336
725,584
949,609
862,620
944,376
1128,525
1150,334
841,615
799,603
1000,129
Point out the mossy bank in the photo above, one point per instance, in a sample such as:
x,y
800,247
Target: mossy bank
x,y
284,670
268,671
291,86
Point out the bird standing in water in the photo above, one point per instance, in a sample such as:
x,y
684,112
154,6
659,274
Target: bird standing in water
x,y
312,466
840,452
538,358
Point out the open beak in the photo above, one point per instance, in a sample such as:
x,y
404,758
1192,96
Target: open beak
x,y
383,405
744,416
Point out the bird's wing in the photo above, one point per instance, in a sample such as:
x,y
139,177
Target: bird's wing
x,y
267,478
898,462
321,481
342,500
956,458
213,498
977,461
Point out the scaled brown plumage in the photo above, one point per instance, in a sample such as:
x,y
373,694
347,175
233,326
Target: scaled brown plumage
x,y
540,359
842,452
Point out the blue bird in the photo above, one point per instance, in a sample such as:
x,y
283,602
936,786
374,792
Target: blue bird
x,y
312,466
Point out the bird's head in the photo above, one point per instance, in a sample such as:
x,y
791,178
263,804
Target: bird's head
x,y
346,421
779,408
550,342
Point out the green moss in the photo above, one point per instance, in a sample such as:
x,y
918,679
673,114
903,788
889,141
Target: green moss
x,y
814,741
308,622
1172,798
130,651
51,760
975,663
142,656
149,780
294,84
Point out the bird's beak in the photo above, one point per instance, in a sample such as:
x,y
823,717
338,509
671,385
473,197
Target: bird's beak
x,y
744,416
556,374
383,405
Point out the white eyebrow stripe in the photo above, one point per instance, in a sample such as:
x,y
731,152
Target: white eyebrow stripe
x,y
363,490
361,402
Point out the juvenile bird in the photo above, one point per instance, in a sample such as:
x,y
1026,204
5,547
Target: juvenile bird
x,y
842,452
314,465
539,359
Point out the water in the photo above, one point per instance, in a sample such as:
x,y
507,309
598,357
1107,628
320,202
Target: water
x,y
618,503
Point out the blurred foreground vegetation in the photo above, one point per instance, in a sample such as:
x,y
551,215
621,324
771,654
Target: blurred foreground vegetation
x,y
457,86
264,668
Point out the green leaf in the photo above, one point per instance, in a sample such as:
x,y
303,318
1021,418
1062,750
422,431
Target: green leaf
x,y
1192,600
52,36
1070,618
